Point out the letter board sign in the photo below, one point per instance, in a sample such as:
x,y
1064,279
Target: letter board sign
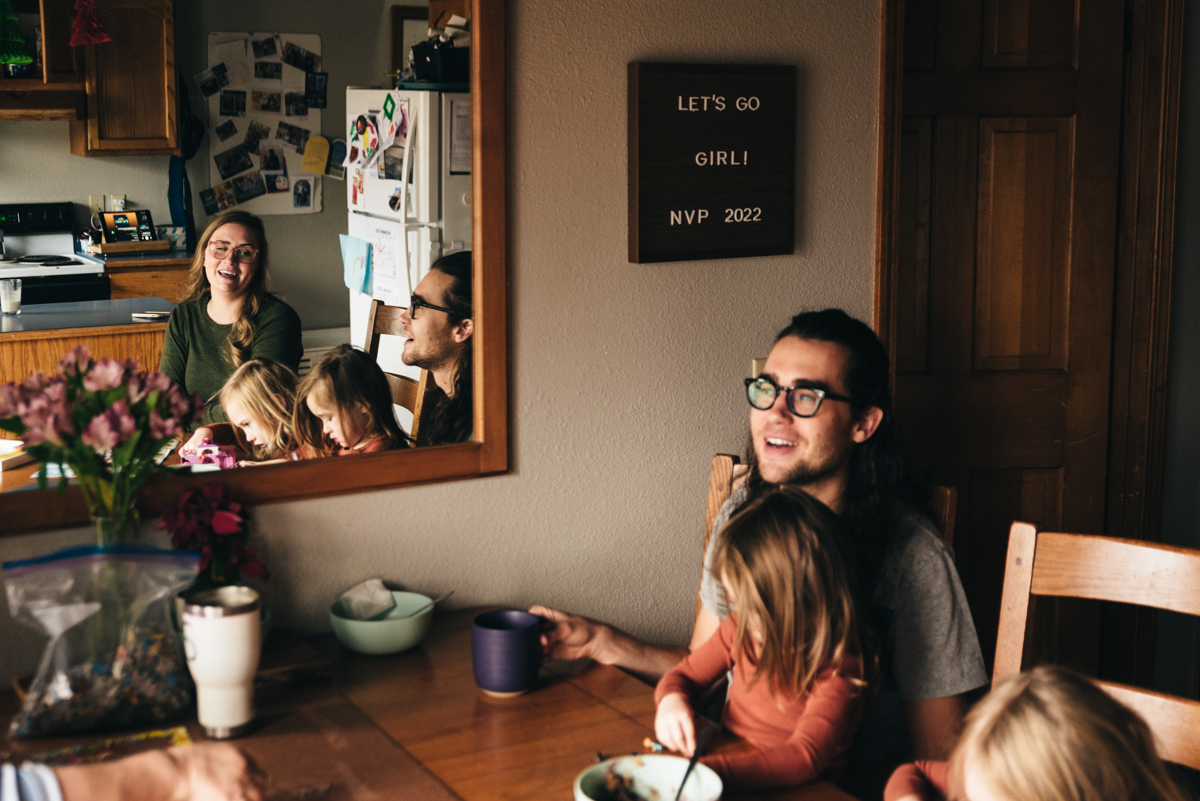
x,y
712,161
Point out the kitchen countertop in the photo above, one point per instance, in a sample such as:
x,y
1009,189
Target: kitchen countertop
x,y
82,314
161,258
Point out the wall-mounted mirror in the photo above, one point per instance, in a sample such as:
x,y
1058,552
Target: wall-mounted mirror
x,y
487,453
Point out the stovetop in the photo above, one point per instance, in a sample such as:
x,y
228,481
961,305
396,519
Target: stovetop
x,y
47,260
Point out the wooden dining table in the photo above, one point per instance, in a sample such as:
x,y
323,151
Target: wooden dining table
x,y
414,726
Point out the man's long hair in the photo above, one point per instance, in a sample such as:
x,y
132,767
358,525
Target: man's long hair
x,y
452,419
880,485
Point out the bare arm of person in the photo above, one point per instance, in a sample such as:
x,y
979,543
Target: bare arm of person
x,y
202,772
934,724
706,625
567,636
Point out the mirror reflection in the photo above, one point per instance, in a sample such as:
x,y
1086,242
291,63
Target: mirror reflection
x,y
273,391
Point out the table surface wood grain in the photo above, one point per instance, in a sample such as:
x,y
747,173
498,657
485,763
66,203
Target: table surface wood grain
x,y
414,726
529,747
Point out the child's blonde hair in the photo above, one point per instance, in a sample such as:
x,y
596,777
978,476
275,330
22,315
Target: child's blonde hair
x,y
353,383
788,569
1050,734
267,391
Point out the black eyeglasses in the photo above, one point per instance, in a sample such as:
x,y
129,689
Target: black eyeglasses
x,y
802,401
417,302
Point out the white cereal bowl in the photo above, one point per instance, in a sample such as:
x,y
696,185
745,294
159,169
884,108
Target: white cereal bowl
x,y
655,778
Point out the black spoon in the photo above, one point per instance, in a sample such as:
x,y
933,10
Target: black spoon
x,y
701,743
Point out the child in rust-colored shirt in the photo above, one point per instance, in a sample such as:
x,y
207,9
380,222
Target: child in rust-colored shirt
x,y
794,643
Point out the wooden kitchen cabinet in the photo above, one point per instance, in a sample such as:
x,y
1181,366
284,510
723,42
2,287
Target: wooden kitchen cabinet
x,y
59,93
130,83
148,277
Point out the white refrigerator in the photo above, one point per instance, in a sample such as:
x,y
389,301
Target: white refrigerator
x,y
436,213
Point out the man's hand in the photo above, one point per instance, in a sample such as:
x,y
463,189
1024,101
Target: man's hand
x,y
570,636
200,772
217,772
674,725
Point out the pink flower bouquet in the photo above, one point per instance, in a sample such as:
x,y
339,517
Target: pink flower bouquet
x,y
106,421
209,521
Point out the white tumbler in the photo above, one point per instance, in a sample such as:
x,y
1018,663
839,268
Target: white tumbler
x,y
222,638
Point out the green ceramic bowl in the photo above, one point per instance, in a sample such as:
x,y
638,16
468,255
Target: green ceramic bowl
x,y
653,776
398,631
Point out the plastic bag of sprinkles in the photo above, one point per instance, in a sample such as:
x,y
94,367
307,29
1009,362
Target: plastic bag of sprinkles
x,y
115,658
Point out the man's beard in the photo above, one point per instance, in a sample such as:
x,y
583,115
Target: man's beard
x,y
808,471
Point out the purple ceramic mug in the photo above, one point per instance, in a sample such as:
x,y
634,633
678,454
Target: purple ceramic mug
x,y
506,651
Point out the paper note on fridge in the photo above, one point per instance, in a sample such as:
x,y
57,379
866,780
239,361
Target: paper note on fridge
x,y
356,262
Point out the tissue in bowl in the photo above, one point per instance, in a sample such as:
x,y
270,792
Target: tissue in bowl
x,y
652,777
221,456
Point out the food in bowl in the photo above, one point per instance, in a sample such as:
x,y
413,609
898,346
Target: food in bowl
x,y
646,778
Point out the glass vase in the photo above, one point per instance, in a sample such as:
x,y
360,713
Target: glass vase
x,y
114,528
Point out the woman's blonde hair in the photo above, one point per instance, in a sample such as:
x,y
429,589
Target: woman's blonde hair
x,y
1050,734
241,337
354,384
267,391
788,568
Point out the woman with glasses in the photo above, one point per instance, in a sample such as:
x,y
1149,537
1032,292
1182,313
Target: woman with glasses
x,y
229,316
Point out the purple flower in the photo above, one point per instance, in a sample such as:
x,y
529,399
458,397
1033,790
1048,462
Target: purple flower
x,y
122,421
163,427
140,386
34,384
100,434
105,374
76,361
44,421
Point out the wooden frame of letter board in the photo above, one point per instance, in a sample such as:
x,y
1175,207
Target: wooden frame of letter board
x,y
664,175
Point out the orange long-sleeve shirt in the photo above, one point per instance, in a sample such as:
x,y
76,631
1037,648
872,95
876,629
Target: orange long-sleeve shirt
x,y
796,741
927,780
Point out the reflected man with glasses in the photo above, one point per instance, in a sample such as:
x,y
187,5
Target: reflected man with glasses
x,y
438,325
821,419
229,315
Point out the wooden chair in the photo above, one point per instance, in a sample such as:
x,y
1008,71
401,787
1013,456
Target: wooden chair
x,y
406,392
943,503
727,474
1108,569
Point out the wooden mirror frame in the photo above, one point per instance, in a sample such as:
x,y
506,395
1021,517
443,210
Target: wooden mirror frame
x,y
23,512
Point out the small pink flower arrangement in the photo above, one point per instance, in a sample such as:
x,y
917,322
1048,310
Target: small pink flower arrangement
x,y
208,520
106,421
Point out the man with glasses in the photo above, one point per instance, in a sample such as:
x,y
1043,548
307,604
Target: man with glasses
x,y
438,326
821,419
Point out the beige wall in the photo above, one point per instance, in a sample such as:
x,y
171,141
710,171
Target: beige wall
x,y
625,378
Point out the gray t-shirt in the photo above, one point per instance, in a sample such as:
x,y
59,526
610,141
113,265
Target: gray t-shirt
x,y
930,649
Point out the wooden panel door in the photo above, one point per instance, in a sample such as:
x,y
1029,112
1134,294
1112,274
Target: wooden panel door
x,y
131,83
1004,295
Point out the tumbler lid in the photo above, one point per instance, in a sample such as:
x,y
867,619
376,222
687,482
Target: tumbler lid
x,y
221,602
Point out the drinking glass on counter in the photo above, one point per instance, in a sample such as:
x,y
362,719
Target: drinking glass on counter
x,y
10,295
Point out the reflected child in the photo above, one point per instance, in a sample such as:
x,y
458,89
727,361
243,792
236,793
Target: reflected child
x,y
796,645
344,406
258,399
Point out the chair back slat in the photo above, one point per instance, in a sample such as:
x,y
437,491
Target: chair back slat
x,y
1014,602
943,502
1174,721
1111,569
404,390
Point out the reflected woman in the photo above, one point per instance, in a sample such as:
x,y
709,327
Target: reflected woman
x,y
229,316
